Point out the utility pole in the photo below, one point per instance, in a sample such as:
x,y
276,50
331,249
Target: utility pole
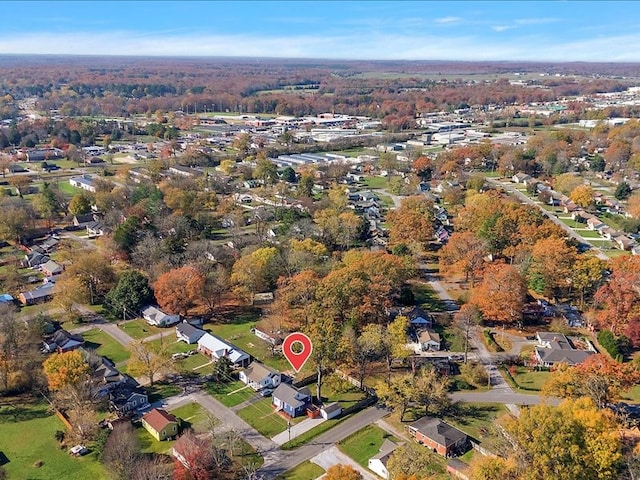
x,y
289,428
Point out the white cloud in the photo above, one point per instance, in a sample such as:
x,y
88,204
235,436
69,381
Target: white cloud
x,y
536,21
348,45
448,20
502,28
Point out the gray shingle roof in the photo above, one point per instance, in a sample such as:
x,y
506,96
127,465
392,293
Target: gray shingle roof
x,y
439,431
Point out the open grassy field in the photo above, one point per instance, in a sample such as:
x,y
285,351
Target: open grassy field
x,y
104,345
28,437
162,390
139,329
304,471
194,416
365,443
375,182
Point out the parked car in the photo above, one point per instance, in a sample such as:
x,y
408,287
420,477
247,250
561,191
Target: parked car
x,y
266,392
78,450
192,352
179,355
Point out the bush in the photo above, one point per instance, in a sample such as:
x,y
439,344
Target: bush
x,y
474,374
609,342
491,343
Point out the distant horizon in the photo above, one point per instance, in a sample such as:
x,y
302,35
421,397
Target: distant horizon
x,y
320,59
498,31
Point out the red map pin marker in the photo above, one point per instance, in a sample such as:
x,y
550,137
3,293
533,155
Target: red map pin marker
x,y
297,359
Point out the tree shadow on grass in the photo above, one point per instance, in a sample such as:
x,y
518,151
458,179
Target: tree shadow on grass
x,y
20,413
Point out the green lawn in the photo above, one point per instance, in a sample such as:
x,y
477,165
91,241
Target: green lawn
x,y
477,419
263,418
194,416
139,329
105,345
587,233
28,437
149,444
365,443
195,364
162,390
375,182
632,395
230,394
531,379
570,222
305,471
172,345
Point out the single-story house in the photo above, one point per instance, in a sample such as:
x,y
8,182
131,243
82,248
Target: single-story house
x,y
188,333
259,376
48,245
40,294
156,317
609,233
263,298
623,242
95,229
34,259
127,397
214,347
272,338
81,220
160,424
62,341
439,436
418,318
85,182
594,223
51,268
292,401
331,411
378,463
424,340
554,348
521,177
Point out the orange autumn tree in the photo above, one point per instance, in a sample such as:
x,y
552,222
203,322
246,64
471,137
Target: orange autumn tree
x,y
619,298
64,369
501,294
342,472
599,377
464,253
179,289
412,223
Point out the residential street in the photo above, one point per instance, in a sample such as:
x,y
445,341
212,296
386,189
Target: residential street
x,y
572,233
285,460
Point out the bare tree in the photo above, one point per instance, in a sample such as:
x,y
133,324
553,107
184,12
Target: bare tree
x,y
122,451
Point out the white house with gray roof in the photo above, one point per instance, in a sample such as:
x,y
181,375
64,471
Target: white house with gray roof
x,y
554,348
156,317
215,348
259,376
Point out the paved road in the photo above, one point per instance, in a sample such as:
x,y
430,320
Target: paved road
x,y
522,197
502,395
285,460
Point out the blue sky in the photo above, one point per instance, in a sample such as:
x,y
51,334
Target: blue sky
x,y
385,30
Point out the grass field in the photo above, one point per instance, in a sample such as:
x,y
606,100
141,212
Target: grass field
x,y
375,182
194,416
365,443
162,390
263,418
477,420
230,394
104,345
426,297
140,329
531,379
305,471
28,437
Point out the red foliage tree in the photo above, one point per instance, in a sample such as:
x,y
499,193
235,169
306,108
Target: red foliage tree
x,y
179,289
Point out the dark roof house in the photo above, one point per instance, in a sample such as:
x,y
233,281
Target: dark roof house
x,y
438,435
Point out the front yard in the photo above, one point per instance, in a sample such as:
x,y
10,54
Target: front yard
x,y
230,394
305,471
139,329
530,379
105,345
365,443
261,416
